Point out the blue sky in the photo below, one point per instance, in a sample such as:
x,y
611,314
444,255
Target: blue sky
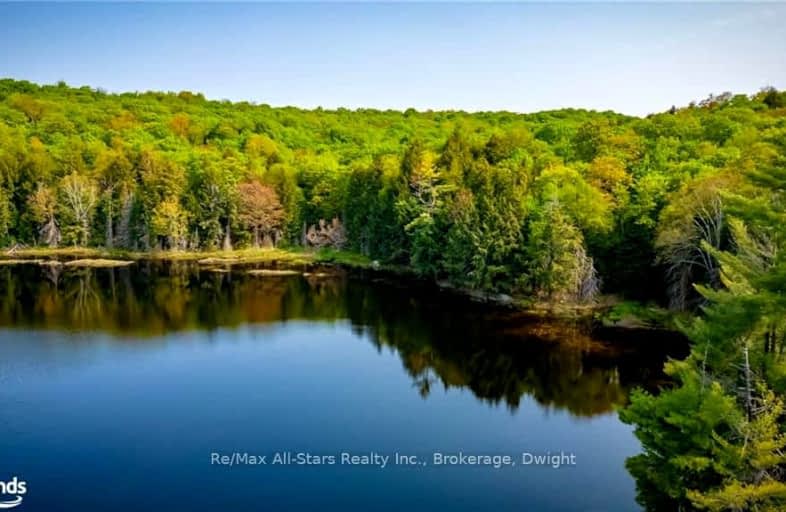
x,y
633,58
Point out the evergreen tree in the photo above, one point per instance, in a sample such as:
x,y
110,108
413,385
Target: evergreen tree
x,y
716,442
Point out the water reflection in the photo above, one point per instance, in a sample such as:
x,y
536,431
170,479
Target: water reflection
x,y
442,340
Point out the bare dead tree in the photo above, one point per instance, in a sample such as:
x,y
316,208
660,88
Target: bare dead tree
x,y
50,233
43,205
326,234
227,243
589,281
80,196
683,248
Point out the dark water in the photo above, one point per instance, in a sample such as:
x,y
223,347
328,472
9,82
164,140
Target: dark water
x,y
117,386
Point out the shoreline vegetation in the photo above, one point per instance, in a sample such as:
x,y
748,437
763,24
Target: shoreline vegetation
x,y
568,212
607,310
562,208
101,256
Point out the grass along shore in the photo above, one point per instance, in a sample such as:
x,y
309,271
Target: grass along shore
x,y
103,256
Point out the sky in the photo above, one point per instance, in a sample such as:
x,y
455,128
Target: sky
x,y
631,58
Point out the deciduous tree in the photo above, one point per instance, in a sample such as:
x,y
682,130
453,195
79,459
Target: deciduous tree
x,y
79,196
43,206
260,211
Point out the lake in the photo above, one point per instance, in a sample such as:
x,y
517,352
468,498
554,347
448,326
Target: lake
x,y
129,389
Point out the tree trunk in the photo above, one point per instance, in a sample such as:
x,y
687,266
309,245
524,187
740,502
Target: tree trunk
x,y
227,237
124,223
109,233
748,384
50,233
85,232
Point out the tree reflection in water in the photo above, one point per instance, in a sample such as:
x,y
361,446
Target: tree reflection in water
x,y
443,341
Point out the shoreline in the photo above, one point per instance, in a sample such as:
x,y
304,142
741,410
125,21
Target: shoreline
x,y
607,311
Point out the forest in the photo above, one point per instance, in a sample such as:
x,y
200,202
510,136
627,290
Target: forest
x,y
560,205
686,207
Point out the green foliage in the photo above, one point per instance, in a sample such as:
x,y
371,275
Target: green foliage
x,y
370,210
211,200
168,222
550,204
558,265
636,314
716,441
677,430
454,195
586,205
750,464
349,259
6,219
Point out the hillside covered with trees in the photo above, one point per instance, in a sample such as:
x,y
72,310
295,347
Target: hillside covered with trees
x,y
560,205
686,206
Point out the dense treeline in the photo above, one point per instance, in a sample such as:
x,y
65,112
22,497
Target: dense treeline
x,y
560,204
690,202
716,441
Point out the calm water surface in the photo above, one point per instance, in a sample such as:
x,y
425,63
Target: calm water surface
x,y
117,385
